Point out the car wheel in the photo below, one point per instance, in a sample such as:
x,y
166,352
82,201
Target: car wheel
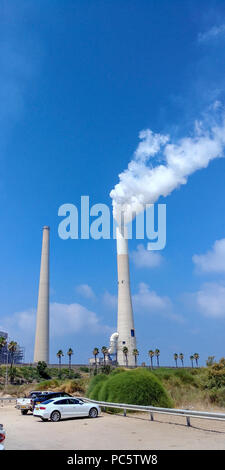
x,y
55,416
24,412
93,413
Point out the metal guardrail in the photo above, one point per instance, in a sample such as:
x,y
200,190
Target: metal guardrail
x,y
188,414
168,411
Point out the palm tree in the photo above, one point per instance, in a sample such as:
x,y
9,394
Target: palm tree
x,y
70,353
157,354
12,347
181,357
175,358
125,352
135,354
104,352
59,355
2,342
196,357
95,353
151,355
192,359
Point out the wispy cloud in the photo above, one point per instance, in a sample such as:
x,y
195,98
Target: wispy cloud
x,y
143,258
86,291
150,302
147,301
213,33
210,299
65,319
110,300
213,260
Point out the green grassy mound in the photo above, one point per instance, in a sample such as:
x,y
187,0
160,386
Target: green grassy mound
x,y
95,386
138,387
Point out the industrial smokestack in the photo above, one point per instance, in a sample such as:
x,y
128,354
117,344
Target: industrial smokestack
x,y
41,349
125,320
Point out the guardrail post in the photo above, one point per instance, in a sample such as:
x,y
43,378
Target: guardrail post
x,y
188,420
124,412
151,416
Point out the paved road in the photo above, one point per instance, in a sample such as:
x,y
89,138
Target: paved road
x,y
110,432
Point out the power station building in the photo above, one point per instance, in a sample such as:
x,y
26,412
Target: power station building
x,y
7,356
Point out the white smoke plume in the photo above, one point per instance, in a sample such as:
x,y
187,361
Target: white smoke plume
x,y
160,166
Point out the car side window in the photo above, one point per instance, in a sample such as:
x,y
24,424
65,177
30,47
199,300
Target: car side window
x,y
62,402
59,402
73,401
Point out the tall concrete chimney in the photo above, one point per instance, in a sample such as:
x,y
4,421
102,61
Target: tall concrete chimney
x,y
125,320
41,349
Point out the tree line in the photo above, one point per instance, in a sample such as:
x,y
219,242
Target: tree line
x,y
12,348
151,354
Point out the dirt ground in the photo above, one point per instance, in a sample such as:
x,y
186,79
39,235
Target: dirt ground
x,y
110,432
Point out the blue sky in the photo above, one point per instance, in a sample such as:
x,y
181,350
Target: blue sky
x,y
79,81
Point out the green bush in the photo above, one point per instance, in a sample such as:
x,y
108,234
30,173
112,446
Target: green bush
x,y
42,370
177,377
137,387
106,369
217,396
48,384
84,369
216,374
95,386
185,376
118,370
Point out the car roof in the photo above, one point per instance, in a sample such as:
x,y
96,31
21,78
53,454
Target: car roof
x,y
58,394
62,398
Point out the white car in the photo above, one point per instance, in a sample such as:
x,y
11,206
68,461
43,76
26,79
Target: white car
x,y
55,409
2,437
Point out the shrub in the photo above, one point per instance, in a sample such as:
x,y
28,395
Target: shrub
x,y
137,387
12,373
217,396
185,376
210,361
106,369
118,370
216,374
48,384
42,370
95,386
84,369
176,376
71,386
